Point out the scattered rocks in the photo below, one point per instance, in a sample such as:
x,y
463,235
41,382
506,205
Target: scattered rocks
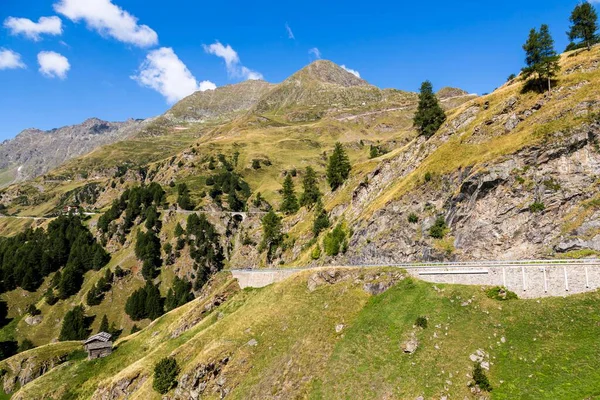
x,y
411,345
339,328
252,343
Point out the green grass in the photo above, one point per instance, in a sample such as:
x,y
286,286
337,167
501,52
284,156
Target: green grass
x,y
550,349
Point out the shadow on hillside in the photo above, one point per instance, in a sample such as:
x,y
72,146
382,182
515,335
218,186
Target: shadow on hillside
x,y
538,86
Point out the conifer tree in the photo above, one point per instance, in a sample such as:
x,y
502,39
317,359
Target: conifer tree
x,y
289,205
311,194
584,24
74,326
430,115
104,327
338,168
178,230
541,58
321,221
271,224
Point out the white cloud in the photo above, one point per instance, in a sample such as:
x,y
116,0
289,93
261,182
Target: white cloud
x,y
34,30
108,19
235,68
53,65
10,60
315,52
164,72
352,71
289,31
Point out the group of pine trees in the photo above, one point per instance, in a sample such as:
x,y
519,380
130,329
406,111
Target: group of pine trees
x,y
134,202
67,247
542,59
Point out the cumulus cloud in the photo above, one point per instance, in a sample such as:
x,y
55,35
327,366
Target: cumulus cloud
x,y
108,19
10,59
235,69
34,30
164,72
315,52
53,65
289,31
352,71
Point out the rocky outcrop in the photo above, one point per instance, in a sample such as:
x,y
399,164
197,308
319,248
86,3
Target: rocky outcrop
x,y
22,370
203,379
488,209
121,388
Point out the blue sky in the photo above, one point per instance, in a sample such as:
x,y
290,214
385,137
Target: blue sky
x,y
119,59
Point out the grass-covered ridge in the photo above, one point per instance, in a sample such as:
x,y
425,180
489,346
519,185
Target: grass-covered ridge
x,y
337,341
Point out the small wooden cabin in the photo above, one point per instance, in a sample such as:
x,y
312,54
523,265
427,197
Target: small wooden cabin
x,y
98,346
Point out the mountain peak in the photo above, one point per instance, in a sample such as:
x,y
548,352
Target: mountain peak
x,y
325,71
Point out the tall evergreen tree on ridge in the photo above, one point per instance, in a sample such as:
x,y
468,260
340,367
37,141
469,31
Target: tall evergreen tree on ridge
x,y
289,205
311,194
338,168
542,60
584,24
430,115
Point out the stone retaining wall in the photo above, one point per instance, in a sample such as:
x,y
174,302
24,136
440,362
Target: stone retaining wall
x,y
527,281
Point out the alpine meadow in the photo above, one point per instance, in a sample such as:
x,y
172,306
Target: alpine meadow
x,y
316,238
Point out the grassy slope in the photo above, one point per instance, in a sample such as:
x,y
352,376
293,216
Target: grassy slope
x,y
551,351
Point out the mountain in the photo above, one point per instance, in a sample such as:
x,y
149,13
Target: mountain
x,y
324,87
34,152
509,175
224,102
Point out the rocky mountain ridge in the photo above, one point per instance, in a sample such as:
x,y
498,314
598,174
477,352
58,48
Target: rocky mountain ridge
x,y
34,152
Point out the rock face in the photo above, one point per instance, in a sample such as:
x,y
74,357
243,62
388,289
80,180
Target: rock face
x,y
488,210
202,379
24,370
122,388
34,152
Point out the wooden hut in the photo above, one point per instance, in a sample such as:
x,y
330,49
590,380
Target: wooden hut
x,y
98,345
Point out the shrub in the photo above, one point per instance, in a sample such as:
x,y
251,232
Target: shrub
x,y
427,176
255,164
537,207
421,322
413,218
439,228
500,293
335,241
511,77
480,378
316,253
165,375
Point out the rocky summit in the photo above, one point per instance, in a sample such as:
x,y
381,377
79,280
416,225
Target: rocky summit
x,y
319,237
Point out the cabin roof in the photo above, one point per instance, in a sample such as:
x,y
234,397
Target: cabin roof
x,y
100,337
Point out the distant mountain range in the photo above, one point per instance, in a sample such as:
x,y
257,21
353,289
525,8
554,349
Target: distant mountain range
x,y
34,152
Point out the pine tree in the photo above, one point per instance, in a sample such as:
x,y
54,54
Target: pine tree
x,y
321,221
289,205
338,168
104,327
178,230
584,24
541,58
74,326
311,194
430,115
271,224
